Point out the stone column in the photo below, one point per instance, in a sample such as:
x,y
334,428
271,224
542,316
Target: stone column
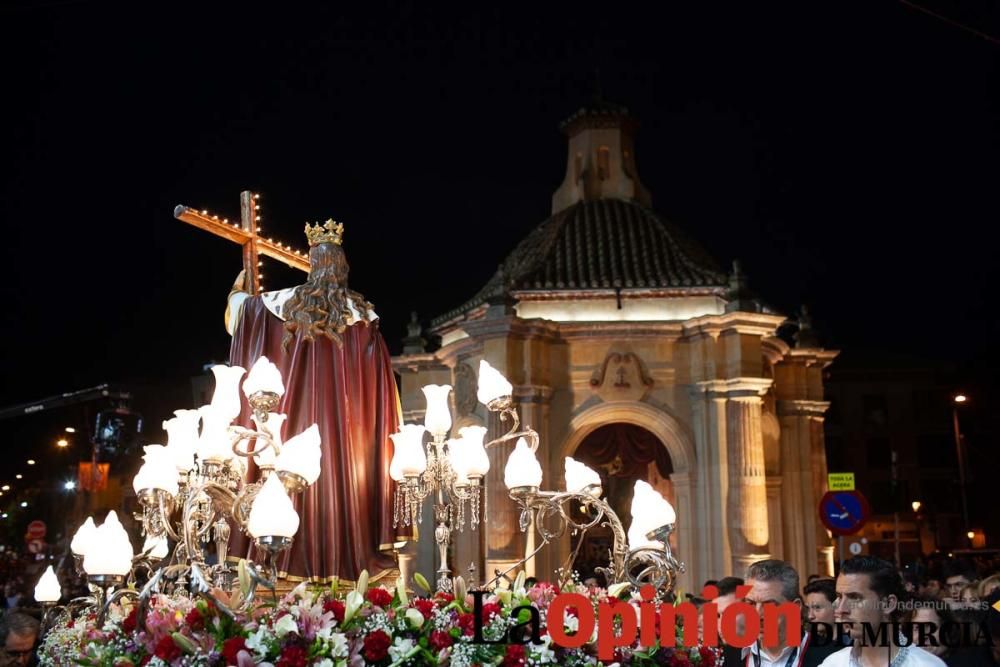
x,y
747,502
708,402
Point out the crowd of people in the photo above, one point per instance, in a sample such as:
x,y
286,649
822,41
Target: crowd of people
x,y
870,615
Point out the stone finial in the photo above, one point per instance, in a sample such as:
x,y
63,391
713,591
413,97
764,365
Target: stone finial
x,y
414,343
806,336
739,296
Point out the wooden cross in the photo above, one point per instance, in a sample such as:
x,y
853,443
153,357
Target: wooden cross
x,y
247,235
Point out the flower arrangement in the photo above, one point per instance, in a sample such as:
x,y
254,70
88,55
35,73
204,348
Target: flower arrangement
x,y
366,627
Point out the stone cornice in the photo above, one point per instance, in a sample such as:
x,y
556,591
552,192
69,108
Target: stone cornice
x,y
532,393
802,408
511,326
812,355
774,349
414,363
754,324
735,387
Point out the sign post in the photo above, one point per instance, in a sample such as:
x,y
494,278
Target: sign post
x,y
843,513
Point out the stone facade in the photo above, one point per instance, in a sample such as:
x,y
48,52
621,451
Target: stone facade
x,y
644,331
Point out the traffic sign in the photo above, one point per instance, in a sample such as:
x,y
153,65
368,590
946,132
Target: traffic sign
x,y
36,530
840,481
843,512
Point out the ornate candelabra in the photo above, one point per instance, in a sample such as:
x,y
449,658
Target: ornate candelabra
x,y
191,490
454,470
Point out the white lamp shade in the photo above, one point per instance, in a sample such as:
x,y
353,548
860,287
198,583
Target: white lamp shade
x,y
158,471
408,456
437,418
492,384
83,537
213,443
301,455
637,539
226,399
580,476
522,468
182,437
272,427
479,459
112,552
272,513
263,376
650,510
459,456
156,546
48,589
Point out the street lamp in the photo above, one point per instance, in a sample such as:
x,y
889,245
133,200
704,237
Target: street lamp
x,y
958,400
916,506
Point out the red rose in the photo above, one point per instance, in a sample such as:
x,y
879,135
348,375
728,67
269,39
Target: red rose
x,y
292,656
440,639
231,647
489,611
337,607
166,649
425,607
515,655
444,599
707,656
467,624
128,625
379,597
377,645
195,620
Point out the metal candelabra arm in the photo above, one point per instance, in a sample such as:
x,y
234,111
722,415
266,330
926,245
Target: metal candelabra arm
x,y
505,406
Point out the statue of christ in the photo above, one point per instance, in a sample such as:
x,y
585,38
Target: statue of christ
x,y
338,374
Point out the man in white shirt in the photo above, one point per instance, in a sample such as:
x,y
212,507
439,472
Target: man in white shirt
x,y
868,594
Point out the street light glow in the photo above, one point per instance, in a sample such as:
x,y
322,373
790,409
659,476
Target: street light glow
x,y
70,429
62,442
915,505
69,485
961,398
24,503
5,487
18,476
970,534
31,462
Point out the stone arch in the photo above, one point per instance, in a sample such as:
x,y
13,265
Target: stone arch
x,y
679,444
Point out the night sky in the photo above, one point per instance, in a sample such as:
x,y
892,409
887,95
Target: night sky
x,y
847,153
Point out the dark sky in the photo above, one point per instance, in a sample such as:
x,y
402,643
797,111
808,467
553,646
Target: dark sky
x,y
847,153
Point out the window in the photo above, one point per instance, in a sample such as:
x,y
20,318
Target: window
x,y
604,163
878,453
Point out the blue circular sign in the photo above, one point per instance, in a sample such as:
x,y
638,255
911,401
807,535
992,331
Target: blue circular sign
x,y
843,512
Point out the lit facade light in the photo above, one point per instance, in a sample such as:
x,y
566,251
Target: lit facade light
x,y
961,398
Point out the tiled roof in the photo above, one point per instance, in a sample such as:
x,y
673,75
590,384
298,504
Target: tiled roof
x,y
600,245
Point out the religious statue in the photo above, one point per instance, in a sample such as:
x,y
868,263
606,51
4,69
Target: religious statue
x,y
338,374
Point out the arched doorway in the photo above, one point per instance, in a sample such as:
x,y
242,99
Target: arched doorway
x,y
621,453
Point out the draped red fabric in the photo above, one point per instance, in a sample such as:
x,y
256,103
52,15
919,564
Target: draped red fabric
x,y
633,445
350,392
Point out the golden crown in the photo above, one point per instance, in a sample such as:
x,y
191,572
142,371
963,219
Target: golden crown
x,y
328,232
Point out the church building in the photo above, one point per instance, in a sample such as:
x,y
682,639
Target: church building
x,y
630,350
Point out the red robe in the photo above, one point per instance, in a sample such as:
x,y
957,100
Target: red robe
x,y
350,392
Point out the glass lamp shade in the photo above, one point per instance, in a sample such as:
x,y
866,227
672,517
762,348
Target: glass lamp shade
x,y
301,455
460,457
479,460
226,399
637,539
213,443
272,513
182,437
272,427
437,418
580,476
83,537
263,376
650,510
408,457
48,589
112,552
522,468
157,546
158,471
492,384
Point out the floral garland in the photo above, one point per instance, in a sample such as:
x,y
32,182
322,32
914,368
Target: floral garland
x,y
317,627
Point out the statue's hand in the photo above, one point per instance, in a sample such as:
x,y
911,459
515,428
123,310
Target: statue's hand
x,y
240,284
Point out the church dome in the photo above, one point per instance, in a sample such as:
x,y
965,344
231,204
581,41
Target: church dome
x,y
603,239
599,246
